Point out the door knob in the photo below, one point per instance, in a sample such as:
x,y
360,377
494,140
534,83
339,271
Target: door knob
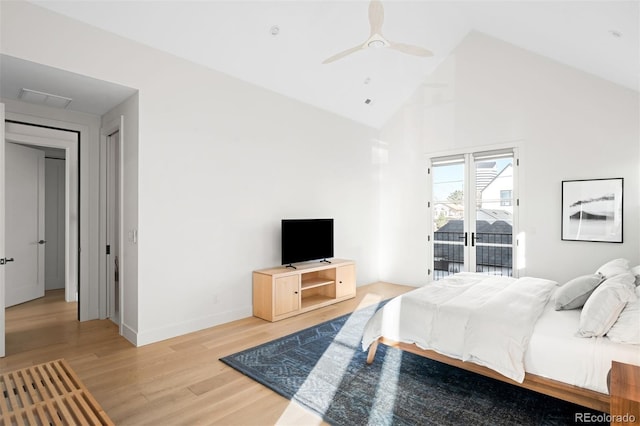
x,y
5,260
41,242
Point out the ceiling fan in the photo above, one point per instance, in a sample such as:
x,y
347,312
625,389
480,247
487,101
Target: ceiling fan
x,y
375,40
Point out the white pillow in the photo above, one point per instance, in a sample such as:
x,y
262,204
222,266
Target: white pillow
x,y
575,293
636,271
605,304
613,268
627,328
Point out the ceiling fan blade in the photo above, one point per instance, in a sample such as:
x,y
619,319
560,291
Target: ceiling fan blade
x,y
343,54
410,49
376,16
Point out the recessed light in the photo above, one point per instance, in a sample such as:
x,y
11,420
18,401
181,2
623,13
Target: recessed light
x,y
376,43
275,30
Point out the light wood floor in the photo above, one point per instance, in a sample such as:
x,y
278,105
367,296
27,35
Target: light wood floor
x,y
173,382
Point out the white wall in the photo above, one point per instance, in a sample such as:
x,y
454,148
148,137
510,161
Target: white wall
x,y
220,162
568,125
54,227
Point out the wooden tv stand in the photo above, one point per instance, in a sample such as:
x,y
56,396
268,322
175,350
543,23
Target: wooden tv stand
x,y
283,292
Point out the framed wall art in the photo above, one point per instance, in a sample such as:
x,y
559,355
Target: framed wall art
x,y
592,210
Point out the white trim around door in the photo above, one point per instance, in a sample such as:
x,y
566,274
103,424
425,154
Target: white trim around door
x,y
68,141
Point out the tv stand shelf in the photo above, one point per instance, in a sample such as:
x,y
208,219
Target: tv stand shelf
x,y
282,292
314,282
314,302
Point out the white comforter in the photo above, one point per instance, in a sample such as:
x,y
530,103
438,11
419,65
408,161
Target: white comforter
x,y
473,317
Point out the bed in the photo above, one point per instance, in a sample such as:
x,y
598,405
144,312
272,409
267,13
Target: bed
x,y
508,329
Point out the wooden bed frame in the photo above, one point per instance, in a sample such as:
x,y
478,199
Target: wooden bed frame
x,y
577,395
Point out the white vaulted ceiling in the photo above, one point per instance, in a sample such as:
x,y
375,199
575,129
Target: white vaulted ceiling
x,y
236,37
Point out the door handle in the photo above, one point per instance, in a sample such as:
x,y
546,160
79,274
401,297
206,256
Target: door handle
x,y
465,238
41,242
6,260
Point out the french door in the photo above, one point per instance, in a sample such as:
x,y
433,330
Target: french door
x,y
473,210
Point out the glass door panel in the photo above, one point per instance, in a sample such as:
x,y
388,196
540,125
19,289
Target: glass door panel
x,y
449,233
492,231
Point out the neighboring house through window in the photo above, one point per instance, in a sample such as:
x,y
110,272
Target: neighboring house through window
x,y
505,197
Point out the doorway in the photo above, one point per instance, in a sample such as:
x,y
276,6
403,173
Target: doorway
x,y
66,142
35,225
474,213
54,227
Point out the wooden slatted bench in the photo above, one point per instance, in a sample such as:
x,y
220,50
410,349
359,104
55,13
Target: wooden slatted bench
x,y
48,394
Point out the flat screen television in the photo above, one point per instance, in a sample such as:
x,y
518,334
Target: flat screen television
x,y
306,239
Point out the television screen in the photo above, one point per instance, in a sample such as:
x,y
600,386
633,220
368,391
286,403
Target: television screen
x,y
306,239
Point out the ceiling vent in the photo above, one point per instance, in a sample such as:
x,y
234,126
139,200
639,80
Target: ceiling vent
x,y
43,98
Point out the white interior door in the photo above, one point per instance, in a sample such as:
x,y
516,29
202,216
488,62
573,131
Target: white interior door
x,y
113,226
112,265
2,225
24,224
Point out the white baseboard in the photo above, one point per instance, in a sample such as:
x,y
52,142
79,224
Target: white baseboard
x,y
178,329
130,334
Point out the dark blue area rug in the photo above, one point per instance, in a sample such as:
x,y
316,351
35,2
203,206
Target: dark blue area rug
x,y
324,369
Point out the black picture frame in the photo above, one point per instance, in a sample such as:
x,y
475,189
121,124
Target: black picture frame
x,y
592,210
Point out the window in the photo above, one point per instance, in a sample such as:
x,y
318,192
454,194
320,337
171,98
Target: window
x,y
505,197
